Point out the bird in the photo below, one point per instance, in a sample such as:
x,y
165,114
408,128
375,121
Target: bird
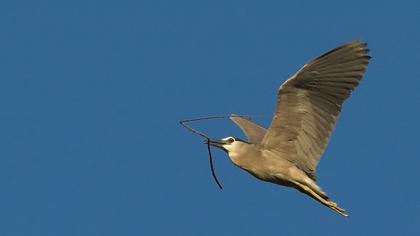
x,y
308,105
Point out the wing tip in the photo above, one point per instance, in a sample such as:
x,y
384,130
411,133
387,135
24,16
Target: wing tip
x,y
234,116
354,45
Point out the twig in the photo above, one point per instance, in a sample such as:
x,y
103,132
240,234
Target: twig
x,y
183,123
211,166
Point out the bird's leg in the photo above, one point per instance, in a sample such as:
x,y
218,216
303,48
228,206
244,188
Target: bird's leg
x,y
327,203
312,193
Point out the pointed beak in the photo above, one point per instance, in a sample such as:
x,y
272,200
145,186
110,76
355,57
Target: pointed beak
x,y
216,143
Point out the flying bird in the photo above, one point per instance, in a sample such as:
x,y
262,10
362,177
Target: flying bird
x,y
307,108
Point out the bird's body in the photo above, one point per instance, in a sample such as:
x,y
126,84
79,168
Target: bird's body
x,y
260,163
308,105
263,167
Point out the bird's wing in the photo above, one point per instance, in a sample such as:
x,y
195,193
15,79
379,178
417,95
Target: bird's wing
x,y
253,131
309,102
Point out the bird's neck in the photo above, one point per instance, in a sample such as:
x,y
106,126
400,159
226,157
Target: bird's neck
x,y
242,157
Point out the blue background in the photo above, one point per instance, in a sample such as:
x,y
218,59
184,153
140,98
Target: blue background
x,y
91,93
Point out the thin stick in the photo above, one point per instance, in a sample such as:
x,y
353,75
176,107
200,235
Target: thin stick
x,y
211,166
183,123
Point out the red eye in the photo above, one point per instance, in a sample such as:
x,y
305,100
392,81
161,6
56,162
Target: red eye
x,y
231,140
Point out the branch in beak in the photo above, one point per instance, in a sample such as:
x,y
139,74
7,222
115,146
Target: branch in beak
x,y
216,143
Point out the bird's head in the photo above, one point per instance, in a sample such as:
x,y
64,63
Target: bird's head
x,y
228,144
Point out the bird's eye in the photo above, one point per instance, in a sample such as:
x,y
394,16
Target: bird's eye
x,y
231,140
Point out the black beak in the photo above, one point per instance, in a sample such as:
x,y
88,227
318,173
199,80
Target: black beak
x,y
216,143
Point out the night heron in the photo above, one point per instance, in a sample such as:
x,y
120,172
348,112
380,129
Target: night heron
x,y
308,105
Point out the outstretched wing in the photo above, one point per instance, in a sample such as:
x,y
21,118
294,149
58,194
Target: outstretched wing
x,y
253,131
309,102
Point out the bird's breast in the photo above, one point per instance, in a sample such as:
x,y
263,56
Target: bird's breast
x,y
263,165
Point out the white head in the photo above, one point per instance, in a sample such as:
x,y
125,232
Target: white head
x,y
230,144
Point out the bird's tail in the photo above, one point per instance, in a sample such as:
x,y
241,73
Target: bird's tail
x,y
322,198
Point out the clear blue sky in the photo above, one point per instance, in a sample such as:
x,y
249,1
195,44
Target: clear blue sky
x,y
91,93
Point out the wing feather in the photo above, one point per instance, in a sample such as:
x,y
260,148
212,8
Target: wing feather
x,y
254,132
309,103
